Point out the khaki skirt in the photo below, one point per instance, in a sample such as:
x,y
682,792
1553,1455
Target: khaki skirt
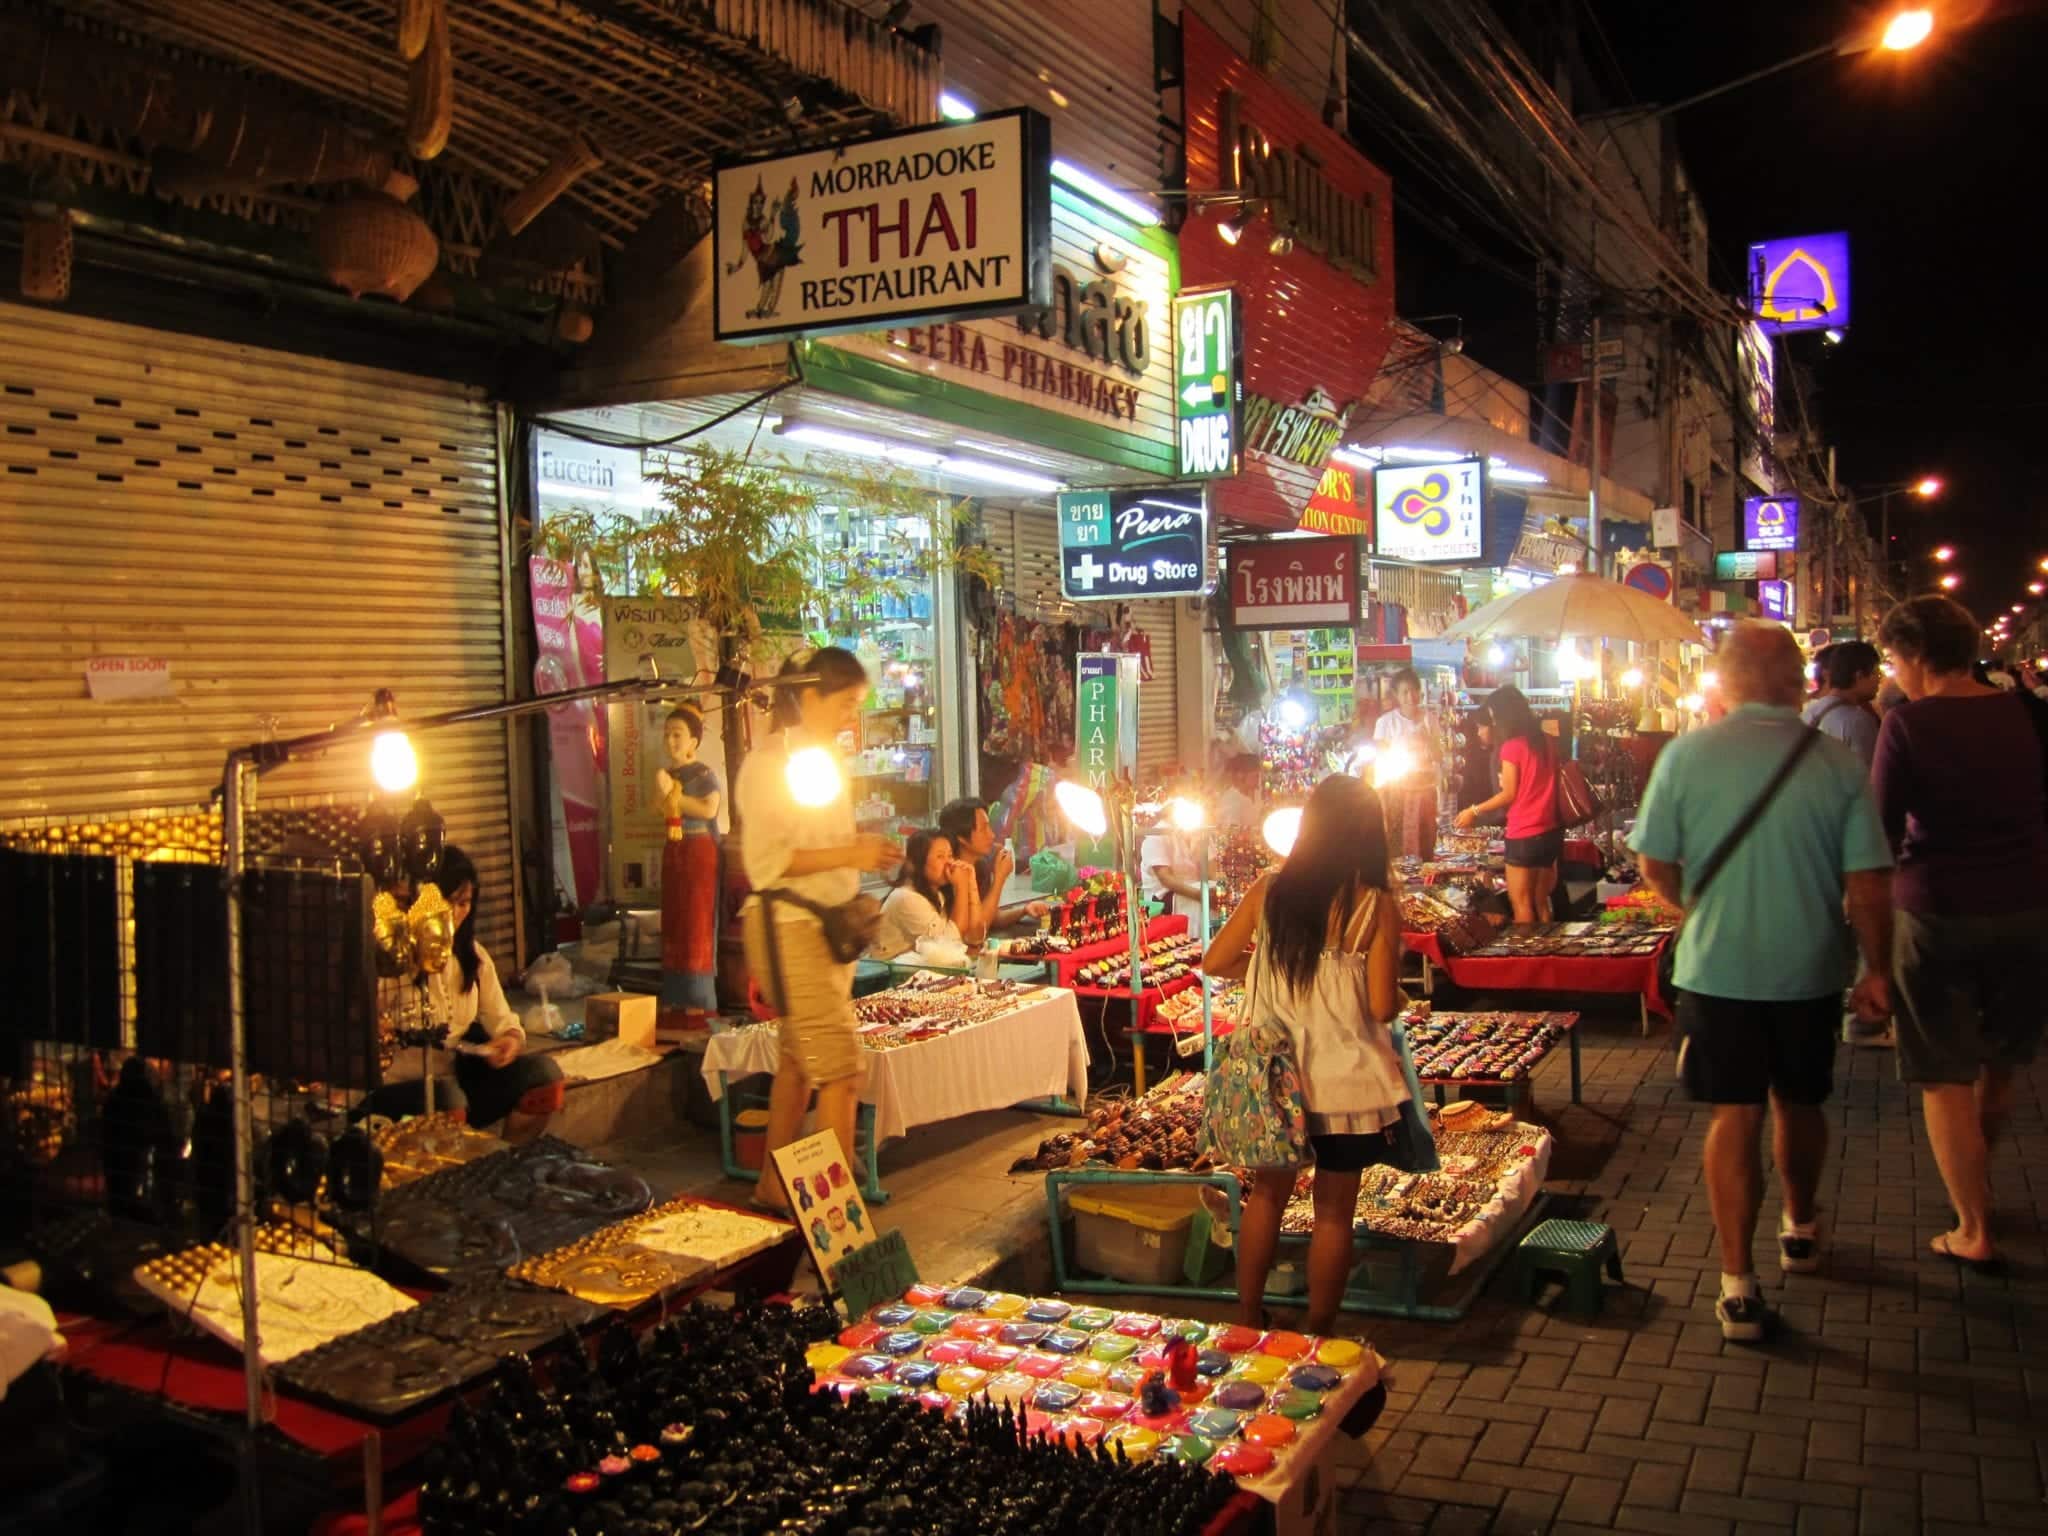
x,y
818,1023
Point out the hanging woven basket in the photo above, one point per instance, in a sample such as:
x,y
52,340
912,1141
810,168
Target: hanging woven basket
x,y
372,243
46,250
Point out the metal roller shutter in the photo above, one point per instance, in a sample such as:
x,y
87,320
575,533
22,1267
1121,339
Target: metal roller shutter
x,y
1158,705
287,533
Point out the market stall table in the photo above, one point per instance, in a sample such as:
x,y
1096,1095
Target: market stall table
x,y
1425,1026
1034,1050
1603,974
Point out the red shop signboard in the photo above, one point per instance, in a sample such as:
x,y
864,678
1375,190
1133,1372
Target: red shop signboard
x,y
1318,319
1293,583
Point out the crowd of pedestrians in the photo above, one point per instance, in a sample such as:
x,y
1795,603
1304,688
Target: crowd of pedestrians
x,y
1817,849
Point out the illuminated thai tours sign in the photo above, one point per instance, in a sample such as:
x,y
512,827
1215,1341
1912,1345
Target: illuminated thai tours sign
x,y
1800,284
929,224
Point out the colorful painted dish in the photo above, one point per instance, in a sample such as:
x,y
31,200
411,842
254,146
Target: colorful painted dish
x,y
915,1374
1270,1430
1113,1346
934,1402
1185,1328
962,1380
1152,1356
1298,1404
1000,1304
1127,1377
1234,1339
924,1294
1024,1334
932,1321
1090,1319
1216,1423
1077,1431
902,1341
1194,1449
823,1357
951,1351
894,1315
1211,1362
1104,1405
1341,1354
882,1391
1137,1444
996,1357
1064,1341
1172,1422
1137,1325
1263,1369
861,1367
1043,1366
965,1298
1239,1395
1047,1312
977,1327
860,1335
1056,1397
1315,1378
1242,1460
1087,1374
1010,1387
1283,1345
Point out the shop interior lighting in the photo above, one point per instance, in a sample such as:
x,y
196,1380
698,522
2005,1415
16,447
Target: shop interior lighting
x,y
1496,657
1281,245
1632,678
1231,230
998,450
1292,713
998,474
1122,202
1692,703
1357,458
1281,829
858,444
814,777
1502,470
955,109
1082,806
1420,455
1832,335
1169,506
1709,681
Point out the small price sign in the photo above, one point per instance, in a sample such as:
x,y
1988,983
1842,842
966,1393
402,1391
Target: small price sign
x,y
882,1271
1208,383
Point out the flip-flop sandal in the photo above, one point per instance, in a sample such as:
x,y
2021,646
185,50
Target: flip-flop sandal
x,y
1995,1265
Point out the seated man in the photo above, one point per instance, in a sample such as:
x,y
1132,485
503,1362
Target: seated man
x,y
965,821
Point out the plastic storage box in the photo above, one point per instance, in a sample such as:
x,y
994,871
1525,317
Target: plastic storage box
x,y
1134,1233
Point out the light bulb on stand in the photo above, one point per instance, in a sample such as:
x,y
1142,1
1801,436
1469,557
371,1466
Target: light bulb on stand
x,y
814,777
1632,678
1394,764
393,764
1082,806
1282,828
1186,814
1292,713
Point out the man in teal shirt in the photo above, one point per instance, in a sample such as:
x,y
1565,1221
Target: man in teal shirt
x,y
1765,955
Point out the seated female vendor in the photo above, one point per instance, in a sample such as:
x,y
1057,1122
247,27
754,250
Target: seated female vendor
x,y
934,899
494,1079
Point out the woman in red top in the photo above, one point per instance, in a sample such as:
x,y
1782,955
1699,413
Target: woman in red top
x,y
1528,792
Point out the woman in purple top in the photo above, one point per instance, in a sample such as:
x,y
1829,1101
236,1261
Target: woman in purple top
x,y
1960,783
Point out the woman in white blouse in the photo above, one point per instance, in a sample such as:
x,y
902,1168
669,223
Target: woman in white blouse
x,y
812,851
934,898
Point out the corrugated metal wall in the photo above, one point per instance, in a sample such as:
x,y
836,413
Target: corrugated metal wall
x,y
1086,64
1028,538
288,533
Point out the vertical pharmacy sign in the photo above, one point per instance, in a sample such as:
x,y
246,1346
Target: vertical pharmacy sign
x,y
1208,383
1105,717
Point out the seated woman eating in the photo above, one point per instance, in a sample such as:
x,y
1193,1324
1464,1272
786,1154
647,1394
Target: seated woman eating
x,y
934,898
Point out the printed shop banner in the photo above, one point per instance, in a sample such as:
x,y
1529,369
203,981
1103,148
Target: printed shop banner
x,y
929,224
650,637
569,628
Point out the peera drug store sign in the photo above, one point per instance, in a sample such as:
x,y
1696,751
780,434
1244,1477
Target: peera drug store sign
x,y
929,224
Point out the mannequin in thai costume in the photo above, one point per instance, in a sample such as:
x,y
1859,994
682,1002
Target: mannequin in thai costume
x,y
691,794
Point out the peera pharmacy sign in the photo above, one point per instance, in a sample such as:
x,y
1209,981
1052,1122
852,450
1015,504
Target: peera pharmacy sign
x,y
925,225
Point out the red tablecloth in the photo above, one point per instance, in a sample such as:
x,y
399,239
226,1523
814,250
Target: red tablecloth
x,y
1549,973
1583,850
1065,966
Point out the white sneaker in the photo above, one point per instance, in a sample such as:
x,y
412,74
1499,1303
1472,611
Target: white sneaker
x,y
1798,1252
1742,1318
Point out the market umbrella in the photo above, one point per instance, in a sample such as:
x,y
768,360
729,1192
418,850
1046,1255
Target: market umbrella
x,y
1588,606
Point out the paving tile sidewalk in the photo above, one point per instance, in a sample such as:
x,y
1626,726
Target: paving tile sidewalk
x,y
1898,1395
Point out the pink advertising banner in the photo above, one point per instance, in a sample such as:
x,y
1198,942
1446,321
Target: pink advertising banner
x,y
569,626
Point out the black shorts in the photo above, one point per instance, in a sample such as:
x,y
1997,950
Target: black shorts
x,y
1968,992
1538,852
1732,1051
1337,1152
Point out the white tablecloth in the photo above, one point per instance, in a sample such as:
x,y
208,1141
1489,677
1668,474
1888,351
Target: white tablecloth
x,y
1035,1051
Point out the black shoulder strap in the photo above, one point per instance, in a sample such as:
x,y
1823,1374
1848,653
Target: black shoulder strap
x,y
1712,867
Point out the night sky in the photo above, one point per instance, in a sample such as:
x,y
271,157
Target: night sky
x,y
1934,163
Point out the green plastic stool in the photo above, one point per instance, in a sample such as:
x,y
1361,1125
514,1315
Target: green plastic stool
x,y
1573,1251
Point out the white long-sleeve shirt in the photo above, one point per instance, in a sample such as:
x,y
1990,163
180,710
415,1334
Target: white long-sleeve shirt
x,y
483,1004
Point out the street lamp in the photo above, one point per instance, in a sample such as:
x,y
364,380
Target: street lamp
x,y
1950,582
1929,485
1945,554
1906,30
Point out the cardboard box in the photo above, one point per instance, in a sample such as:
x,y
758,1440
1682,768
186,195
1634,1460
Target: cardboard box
x,y
628,1016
